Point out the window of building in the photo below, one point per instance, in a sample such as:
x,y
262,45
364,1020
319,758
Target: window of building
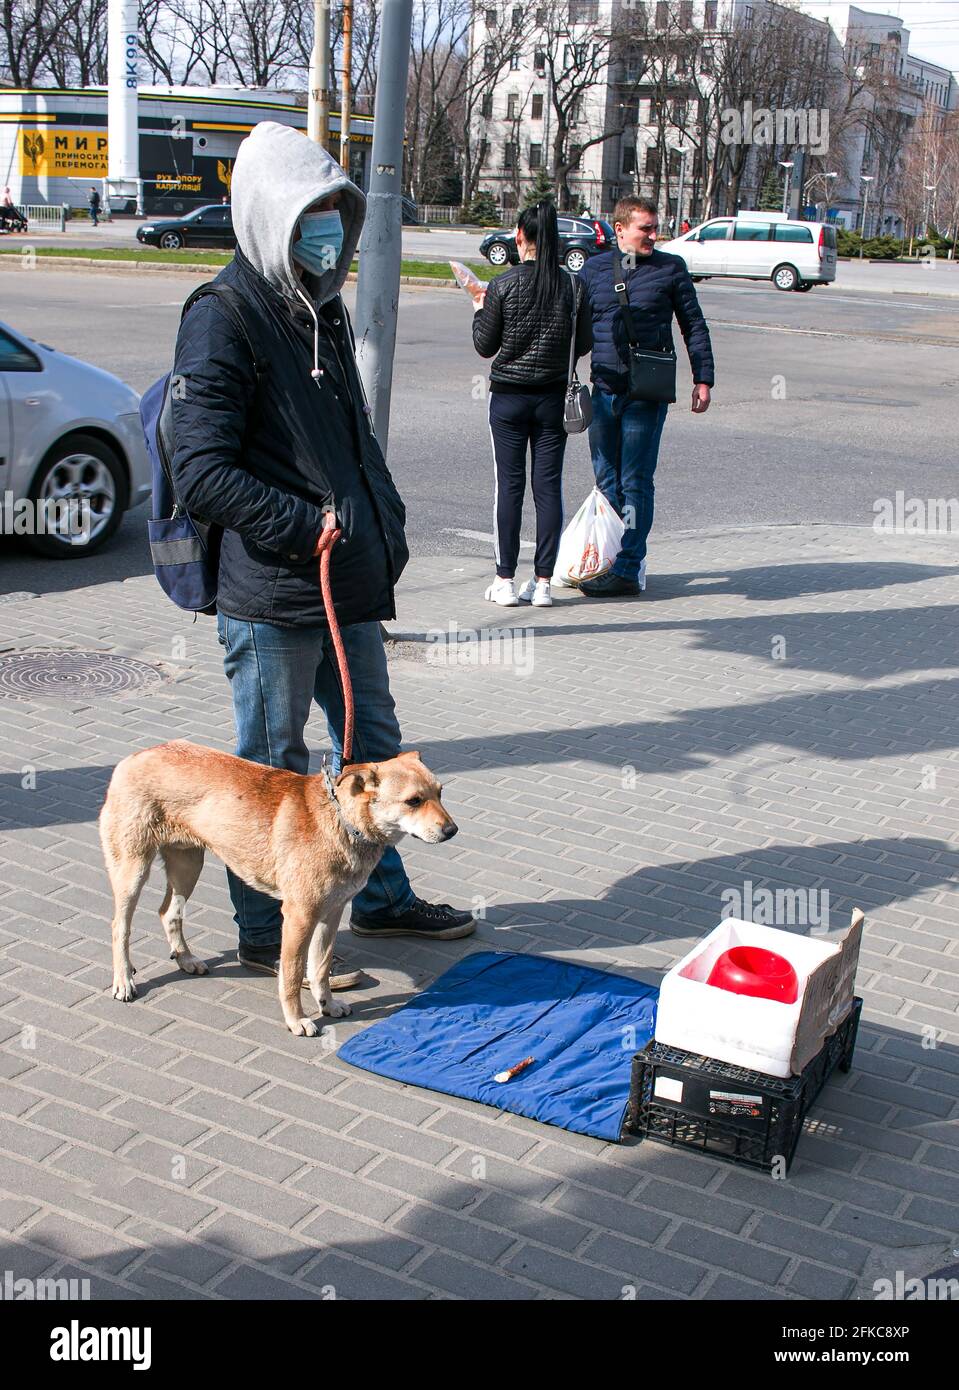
x,y
674,161
509,154
514,62
662,14
486,105
537,111
652,161
535,156
491,19
629,159
483,151
517,17
541,19
539,62
685,13
575,155
583,11
679,113
748,17
489,58
711,14
512,106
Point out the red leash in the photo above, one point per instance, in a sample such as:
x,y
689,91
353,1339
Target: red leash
x,y
328,539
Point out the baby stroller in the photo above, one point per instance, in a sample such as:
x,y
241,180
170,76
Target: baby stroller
x,y
12,219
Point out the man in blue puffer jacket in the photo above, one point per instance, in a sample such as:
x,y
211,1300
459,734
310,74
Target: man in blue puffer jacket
x,y
624,435
269,456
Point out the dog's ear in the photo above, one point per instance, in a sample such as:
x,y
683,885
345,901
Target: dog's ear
x,y
411,755
359,778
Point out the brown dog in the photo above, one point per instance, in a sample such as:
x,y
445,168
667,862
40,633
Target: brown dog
x,y
308,841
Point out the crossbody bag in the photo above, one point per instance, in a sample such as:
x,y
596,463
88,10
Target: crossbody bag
x,y
652,371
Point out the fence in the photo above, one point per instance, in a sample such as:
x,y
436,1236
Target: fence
x,y
41,215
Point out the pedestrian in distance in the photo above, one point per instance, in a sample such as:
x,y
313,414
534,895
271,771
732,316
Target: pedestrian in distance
x,y
635,291
525,323
274,439
94,203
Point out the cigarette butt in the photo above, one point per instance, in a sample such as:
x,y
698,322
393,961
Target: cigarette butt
x,y
502,1076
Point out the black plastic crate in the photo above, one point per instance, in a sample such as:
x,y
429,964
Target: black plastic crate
x,y
728,1111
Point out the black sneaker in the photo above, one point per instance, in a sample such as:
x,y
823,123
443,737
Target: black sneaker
x,y
609,586
266,959
436,920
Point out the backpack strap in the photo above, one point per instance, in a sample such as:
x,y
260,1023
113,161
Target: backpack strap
x,y
234,305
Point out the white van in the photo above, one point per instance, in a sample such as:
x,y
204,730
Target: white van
x,y
760,246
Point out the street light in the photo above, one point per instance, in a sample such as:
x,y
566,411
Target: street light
x,y
811,181
787,164
867,180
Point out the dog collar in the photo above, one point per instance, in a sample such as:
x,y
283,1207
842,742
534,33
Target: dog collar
x,y
354,835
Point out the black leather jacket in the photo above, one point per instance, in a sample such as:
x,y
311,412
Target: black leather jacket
x,y
531,346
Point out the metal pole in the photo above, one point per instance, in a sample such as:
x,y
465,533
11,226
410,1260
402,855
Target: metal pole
x,y
346,103
318,115
682,189
381,250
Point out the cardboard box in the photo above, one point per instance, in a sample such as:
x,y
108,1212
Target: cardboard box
x,y
761,1034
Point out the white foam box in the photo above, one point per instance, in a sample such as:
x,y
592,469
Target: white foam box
x,y
761,1034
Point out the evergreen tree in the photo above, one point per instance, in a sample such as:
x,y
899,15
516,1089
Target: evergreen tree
x,y
771,197
539,189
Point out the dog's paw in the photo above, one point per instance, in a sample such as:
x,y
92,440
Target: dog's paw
x,y
334,1009
124,988
304,1028
192,965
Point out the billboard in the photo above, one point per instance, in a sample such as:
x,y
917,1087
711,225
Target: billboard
x,y
56,153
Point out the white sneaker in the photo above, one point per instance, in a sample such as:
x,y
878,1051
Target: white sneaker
x,y
536,592
503,592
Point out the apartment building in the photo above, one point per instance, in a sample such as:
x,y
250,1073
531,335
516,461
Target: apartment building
x,y
636,124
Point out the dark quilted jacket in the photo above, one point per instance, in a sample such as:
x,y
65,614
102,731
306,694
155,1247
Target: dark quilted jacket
x,y
531,346
263,459
658,288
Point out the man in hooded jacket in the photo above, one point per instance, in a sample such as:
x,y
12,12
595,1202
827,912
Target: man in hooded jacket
x,y
273,440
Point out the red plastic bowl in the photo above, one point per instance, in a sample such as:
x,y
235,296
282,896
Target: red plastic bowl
x,y
753,970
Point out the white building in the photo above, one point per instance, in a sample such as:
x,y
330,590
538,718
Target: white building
x,y
648,113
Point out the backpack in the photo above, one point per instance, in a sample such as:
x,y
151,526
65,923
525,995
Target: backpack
x,y
185,550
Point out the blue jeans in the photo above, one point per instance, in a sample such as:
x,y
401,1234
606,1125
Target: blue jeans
x,y
624,441
275,673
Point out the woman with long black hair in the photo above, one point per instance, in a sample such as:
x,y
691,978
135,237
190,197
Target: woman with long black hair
x,y
525,322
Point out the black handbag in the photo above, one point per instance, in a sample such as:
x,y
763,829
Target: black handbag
x,y
578,406
652,371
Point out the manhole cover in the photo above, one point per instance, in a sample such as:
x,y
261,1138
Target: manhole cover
x,y
35,674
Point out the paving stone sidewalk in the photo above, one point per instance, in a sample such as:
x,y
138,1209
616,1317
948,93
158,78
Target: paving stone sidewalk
x,y
781,710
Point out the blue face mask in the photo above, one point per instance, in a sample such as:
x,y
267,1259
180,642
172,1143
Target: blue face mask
x,y
321,241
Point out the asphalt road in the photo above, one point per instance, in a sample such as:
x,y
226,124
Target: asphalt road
x,y
824,403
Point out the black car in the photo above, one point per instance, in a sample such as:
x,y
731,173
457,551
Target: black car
x,y
207,226
579,238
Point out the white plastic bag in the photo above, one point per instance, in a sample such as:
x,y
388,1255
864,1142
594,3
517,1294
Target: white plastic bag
x,y
590,543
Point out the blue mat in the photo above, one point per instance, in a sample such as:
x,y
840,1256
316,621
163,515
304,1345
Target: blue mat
x,y
496,1008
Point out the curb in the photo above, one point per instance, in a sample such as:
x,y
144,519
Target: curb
x,y
11,259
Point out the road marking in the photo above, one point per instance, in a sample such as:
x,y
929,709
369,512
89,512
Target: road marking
x,y
865,335
482,536
841,299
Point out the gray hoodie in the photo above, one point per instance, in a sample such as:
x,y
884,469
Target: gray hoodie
x,y
278,174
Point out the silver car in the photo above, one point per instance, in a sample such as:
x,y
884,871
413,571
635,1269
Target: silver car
x,y
72,454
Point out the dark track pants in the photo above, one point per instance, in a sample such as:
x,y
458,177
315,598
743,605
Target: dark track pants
x,y
519,421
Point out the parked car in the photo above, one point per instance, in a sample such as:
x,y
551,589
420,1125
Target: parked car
x,y
207,226
760,246
579,238
69,433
